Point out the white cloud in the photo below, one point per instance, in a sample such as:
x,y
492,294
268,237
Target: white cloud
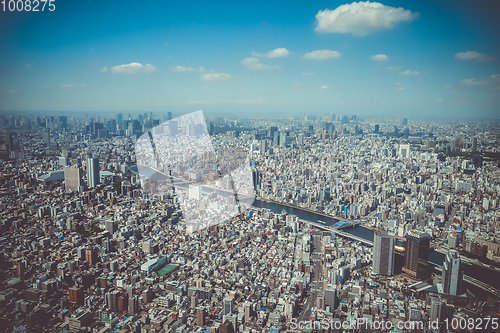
x,y
409,72
296,85
439,100
322,54
280,52
379,57
133,68
361,18
490,80
215,76
187,69
28,65
308,74
68,85
393,68
324,87
400,88
253,63
447,86
104,69
10,91
473,55
474,82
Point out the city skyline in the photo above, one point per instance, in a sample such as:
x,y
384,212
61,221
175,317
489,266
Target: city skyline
x,y
423,58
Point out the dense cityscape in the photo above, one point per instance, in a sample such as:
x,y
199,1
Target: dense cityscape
x,y
351,220
249,166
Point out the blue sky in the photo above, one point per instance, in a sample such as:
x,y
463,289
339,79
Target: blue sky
x,y
438,58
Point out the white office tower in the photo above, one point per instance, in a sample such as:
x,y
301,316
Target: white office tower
x,y
452,275
404,151
195,192
93,178
383,254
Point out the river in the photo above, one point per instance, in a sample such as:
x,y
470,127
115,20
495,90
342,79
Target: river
x,y
491,277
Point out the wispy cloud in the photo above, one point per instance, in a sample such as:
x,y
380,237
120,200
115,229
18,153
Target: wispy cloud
x,y
308,74
280,52
187,69
254,64
324,87
215,77
473,55
322,55
393,68
28,65
133,68
379,57
10,91
438,100
492,80
409,72
361,18
68,85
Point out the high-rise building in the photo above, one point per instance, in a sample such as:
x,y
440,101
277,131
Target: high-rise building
x,y
91,256
63,122
330,295
276,138
194,300
300,139
10,141
248,311
93,178
169,116
228,305
133,305
383,254
122,303
438,307
283,137
227,327
111,226
76,295
377,128
46,137
404,150
452,273
474,145
201,315
72,178
417,253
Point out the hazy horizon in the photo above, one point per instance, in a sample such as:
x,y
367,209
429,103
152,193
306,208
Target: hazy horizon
x,y
371,59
